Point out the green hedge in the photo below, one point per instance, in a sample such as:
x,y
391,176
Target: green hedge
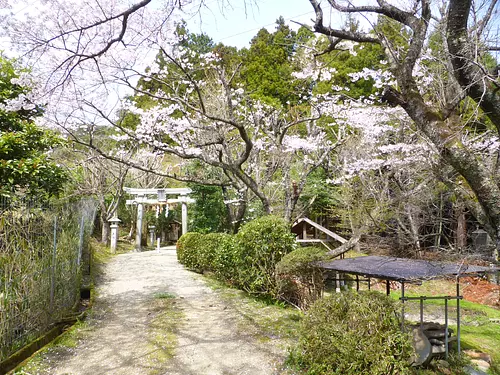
x,y
188,249
352,333
225,258
260,245
300,282
247,260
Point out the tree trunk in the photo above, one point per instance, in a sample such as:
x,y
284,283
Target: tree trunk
x,y
461,232
131,232
414,230
105,231
456,154
437,241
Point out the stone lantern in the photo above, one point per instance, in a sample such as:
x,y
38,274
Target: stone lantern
x,y
114,233
151,235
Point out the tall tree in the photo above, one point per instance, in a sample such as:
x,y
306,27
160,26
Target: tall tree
x,y
466,40
25,164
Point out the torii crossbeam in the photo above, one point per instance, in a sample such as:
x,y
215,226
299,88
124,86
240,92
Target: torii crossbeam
x,y
141,198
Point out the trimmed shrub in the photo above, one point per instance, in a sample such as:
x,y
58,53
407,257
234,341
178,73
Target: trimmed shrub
x,y
299,281
260,244
225,257
188,250
352,333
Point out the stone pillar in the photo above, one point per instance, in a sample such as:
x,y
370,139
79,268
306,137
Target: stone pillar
x,y
184,216
114,233
138,235
151,235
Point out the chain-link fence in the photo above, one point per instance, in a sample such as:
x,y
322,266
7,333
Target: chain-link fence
x,y
42,253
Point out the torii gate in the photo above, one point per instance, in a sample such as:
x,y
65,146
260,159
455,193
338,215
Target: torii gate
x,y
140,198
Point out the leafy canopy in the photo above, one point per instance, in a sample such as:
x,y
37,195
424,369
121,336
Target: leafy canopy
x,y
25,166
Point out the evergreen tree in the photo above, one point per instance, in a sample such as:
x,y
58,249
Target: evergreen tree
x,y
25,164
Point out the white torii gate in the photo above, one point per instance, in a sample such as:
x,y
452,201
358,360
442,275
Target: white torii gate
x,y
141,198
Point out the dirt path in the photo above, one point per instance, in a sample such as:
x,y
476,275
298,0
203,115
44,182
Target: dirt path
x,y
208,341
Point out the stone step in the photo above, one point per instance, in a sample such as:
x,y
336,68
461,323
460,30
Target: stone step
x,y
436,334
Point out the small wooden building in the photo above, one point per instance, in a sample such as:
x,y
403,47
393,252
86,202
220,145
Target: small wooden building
x,y
310,232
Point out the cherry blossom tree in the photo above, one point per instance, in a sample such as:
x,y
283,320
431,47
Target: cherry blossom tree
x,y
465,37
259,147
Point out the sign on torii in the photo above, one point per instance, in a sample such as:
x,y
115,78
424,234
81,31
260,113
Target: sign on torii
x,y
141,198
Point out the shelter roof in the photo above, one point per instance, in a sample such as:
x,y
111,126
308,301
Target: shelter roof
x,y
402,269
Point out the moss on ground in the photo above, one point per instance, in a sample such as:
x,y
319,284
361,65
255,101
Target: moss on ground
x,y
166,319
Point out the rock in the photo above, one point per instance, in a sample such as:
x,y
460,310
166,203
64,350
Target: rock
x,y
478,355
438,349
422,348
436,342
480,364
472,371
429,326
442,363
436,334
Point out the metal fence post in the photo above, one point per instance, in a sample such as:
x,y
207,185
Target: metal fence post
x,y
53,267
80,243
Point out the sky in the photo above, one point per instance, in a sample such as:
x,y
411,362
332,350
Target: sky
x,y
236,25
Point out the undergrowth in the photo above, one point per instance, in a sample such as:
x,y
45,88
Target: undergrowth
x,y
43,360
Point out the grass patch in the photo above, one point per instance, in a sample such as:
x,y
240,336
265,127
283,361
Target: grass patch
x,y
166,320
478,331
164,295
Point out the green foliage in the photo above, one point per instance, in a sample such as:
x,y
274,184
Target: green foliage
x,y
24,163
260,245
266,70
319,196
209,211
247,260
300,282
224,261
39,247
352,333
213,252
188,250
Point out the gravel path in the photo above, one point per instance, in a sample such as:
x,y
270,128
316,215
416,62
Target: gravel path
x,y
208,339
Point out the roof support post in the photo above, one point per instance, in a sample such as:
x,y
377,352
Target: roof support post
x,y
387,287
458,315
446,327
422,313
402,306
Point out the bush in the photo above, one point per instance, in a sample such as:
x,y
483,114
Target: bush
x,y
188,250
299,281
260,245
352,333
225,259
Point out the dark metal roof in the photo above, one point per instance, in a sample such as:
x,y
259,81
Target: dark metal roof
x,y
401,269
